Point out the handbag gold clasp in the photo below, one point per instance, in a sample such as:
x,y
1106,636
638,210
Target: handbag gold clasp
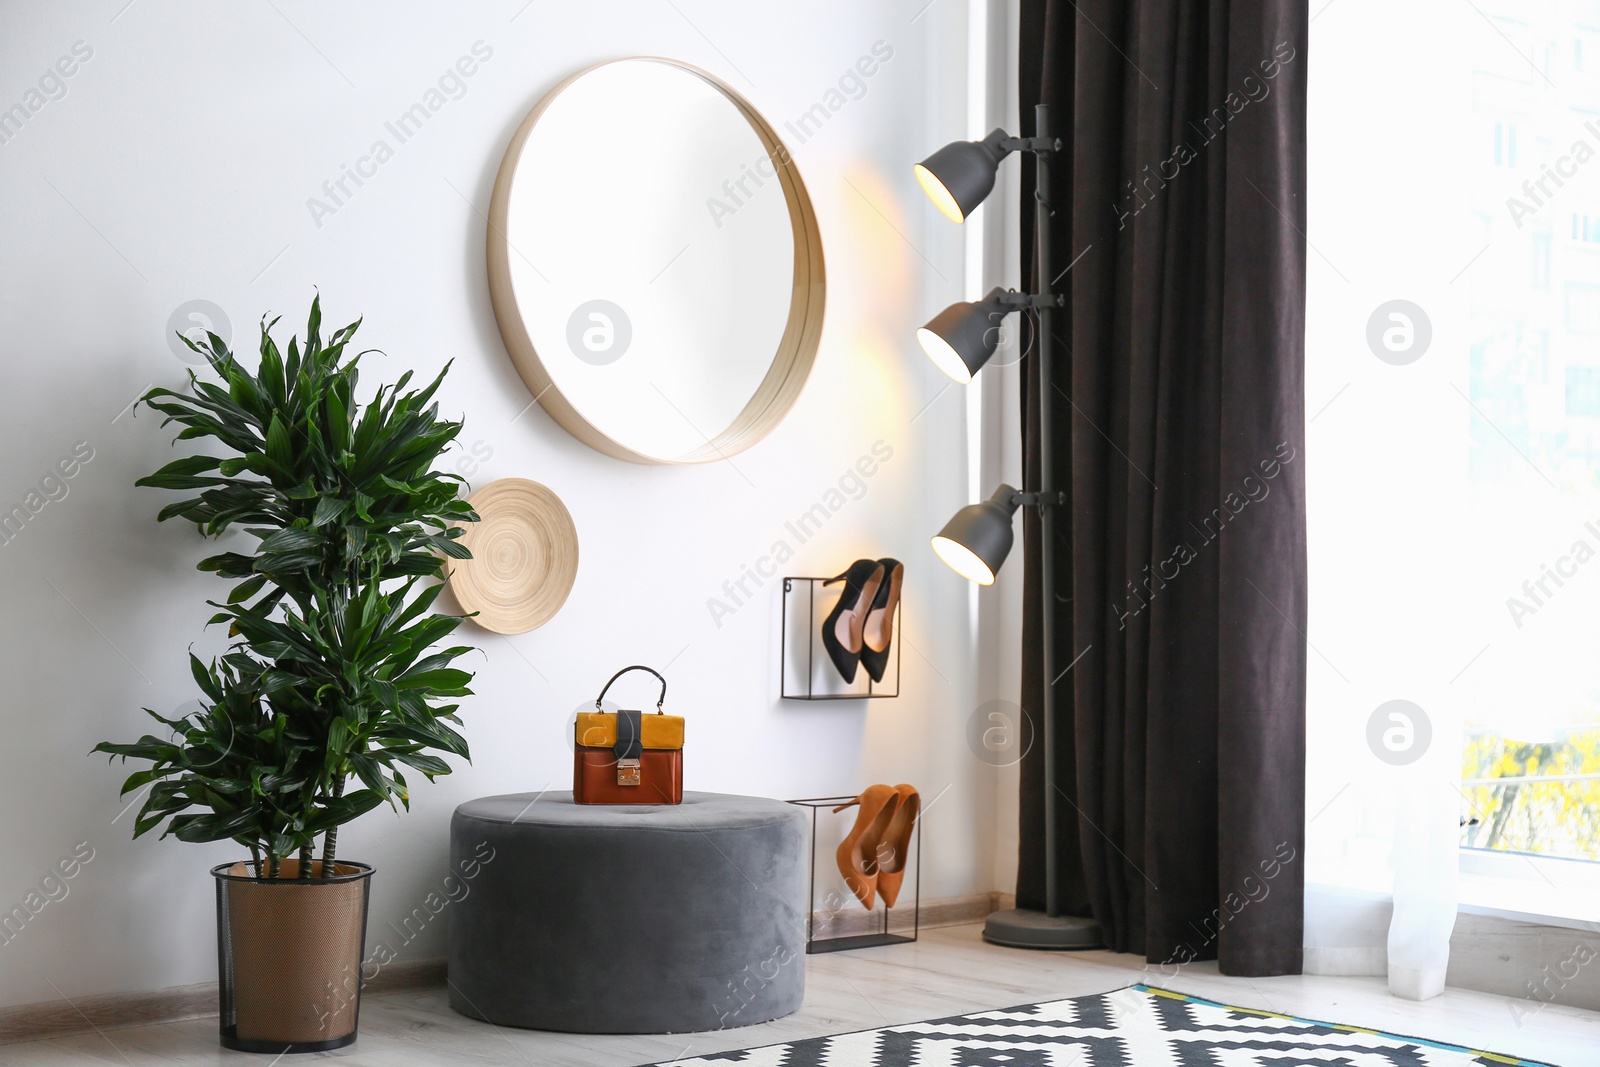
x,y
628,772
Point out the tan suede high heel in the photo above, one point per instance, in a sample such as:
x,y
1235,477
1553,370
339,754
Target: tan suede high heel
x,y
858,852
895,843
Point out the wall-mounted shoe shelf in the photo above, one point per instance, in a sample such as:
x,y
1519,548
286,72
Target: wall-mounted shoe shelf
x,y
827,930
808,672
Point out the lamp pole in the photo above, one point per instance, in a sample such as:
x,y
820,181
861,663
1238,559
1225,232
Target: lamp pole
x,y
1047,513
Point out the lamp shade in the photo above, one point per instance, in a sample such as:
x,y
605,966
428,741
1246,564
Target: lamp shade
x,y
958,176
962,337
977,539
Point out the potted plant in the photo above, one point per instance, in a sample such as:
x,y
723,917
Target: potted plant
x,y
332,679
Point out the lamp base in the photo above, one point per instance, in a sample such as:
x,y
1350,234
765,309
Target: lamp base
x,y
1026,928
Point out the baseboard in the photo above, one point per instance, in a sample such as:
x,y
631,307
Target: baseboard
x,y
116,1011
1530,964
946,911
1346,962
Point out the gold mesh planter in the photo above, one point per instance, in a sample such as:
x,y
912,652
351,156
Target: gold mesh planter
x,y
289,956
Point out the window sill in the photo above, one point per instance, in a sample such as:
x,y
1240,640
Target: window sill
x,y
1531,889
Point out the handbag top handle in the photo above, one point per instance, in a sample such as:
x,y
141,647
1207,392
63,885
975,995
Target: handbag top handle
x,y
636,667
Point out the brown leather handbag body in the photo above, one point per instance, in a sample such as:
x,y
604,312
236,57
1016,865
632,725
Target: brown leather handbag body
x,y
628,757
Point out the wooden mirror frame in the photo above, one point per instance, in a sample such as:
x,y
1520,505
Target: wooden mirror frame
x,y
797,348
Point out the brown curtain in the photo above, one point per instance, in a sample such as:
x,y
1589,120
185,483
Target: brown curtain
x,y
1178,416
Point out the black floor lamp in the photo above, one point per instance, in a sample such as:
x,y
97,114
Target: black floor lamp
x,y
960,339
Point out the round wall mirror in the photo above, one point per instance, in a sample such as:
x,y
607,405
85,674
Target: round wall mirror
x,y
655,264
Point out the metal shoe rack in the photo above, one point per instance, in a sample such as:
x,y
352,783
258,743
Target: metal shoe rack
x,y
800,596
842,910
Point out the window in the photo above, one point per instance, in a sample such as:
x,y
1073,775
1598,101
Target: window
x,y
1531,756
1537,796
1505,144
1583,308
1454,488
1583,392
1585,53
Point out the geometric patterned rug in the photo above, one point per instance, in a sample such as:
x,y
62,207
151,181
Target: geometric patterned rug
x,y
1140,1026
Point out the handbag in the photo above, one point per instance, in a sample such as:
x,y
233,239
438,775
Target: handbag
x,y
628,757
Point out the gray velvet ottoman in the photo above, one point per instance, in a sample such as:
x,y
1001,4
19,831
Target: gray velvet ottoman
x,y
602,919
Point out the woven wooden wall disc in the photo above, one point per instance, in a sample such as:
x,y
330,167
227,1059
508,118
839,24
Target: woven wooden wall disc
x,y
524,557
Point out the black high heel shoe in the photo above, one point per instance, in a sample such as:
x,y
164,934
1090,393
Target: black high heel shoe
x,y
878,631
841,630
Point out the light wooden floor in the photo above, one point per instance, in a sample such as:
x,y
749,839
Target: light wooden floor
x,y
950,971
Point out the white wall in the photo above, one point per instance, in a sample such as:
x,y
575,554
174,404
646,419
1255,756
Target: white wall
x,y
178,164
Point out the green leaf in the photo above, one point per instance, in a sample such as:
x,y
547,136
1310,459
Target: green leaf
x,y
449,681
337,812
329,509
183,473
293,539
428,765
247,589
203,678
279,448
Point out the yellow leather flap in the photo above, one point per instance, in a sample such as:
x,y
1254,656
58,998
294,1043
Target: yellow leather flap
x,y
599,730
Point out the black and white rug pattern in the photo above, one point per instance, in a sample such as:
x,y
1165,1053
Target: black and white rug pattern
x,y
1140,1026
